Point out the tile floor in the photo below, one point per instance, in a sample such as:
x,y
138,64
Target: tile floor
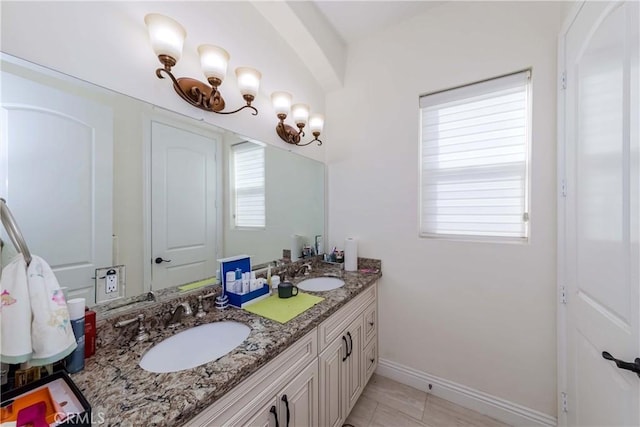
x,y
387,403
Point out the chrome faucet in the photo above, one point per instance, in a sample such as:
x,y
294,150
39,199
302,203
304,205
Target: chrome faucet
x,y
182,309
294,271
307,267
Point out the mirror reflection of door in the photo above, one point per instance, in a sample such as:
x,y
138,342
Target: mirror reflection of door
x,y
183,206
56,174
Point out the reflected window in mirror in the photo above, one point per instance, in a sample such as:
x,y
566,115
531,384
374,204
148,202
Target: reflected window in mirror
x,y
248,185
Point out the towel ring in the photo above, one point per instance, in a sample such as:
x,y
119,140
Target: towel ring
x,y
14,231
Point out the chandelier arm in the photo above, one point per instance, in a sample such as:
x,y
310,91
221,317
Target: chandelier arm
x,y
255,111
198,98
176,85
313,140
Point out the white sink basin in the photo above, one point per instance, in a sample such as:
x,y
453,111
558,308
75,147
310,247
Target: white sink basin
x,y
194,347
320,284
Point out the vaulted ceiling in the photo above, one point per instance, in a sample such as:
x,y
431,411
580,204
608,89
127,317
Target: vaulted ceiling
x,y
320,31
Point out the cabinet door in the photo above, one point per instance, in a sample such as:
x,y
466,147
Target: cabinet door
x,y
354,380
332,366
263,414
299,399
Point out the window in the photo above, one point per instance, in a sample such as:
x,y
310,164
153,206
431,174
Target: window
x,y
474,160
247,187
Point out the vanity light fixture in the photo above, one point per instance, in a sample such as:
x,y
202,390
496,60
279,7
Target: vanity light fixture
x,y
167,38
282,104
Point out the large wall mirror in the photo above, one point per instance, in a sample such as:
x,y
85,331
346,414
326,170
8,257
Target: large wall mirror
x,y
96,178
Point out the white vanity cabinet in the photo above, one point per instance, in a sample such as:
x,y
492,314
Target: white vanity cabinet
x,y
294,372
343,362
315,382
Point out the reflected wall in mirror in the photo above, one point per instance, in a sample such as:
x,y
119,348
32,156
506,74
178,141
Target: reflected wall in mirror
x,y
77,169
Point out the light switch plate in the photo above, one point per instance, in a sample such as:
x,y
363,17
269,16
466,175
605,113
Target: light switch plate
x,y
109,283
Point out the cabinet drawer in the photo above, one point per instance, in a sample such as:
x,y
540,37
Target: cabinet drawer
x,y
335,325
370,360
370,322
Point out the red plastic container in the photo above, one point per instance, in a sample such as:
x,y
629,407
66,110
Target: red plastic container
x,y
89,333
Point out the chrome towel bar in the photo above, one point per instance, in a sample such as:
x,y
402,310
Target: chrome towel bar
x,y
14,231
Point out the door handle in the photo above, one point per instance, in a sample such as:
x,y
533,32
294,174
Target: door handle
x,y
346,345
286,402
633,367
159,260
351,344
275,414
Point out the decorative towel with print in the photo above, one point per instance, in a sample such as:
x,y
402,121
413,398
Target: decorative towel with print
x,y
15,312
52,337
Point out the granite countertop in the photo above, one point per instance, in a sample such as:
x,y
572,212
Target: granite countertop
x,y
123,394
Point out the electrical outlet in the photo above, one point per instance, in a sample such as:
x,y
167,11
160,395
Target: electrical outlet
x,y
111,282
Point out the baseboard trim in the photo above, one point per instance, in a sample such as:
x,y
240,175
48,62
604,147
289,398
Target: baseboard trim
x,y
500,409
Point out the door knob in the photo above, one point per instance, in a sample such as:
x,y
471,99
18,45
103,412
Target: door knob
x,y
159,260
633,367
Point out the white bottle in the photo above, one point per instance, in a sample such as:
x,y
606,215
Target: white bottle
x,y
245,283
230,283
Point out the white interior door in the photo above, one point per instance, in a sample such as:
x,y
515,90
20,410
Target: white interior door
x,y
56,173
602,214
183,206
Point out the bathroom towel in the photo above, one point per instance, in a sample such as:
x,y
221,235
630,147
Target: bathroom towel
x,y
15,312
51,334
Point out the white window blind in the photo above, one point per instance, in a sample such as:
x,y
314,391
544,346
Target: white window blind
x,y
474,159
248,185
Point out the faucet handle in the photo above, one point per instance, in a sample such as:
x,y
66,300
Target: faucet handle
x,y
142,331
200,313
123,323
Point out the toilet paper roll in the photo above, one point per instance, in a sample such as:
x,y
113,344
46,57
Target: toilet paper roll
x,y
76,308
350,254
296,247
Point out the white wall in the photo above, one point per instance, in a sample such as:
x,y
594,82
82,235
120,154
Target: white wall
x,y
106,43
477,314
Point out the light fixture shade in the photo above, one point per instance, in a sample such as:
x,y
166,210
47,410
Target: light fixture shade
x,y
166,35
300,113
214,61
248,80
281,102
316,123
